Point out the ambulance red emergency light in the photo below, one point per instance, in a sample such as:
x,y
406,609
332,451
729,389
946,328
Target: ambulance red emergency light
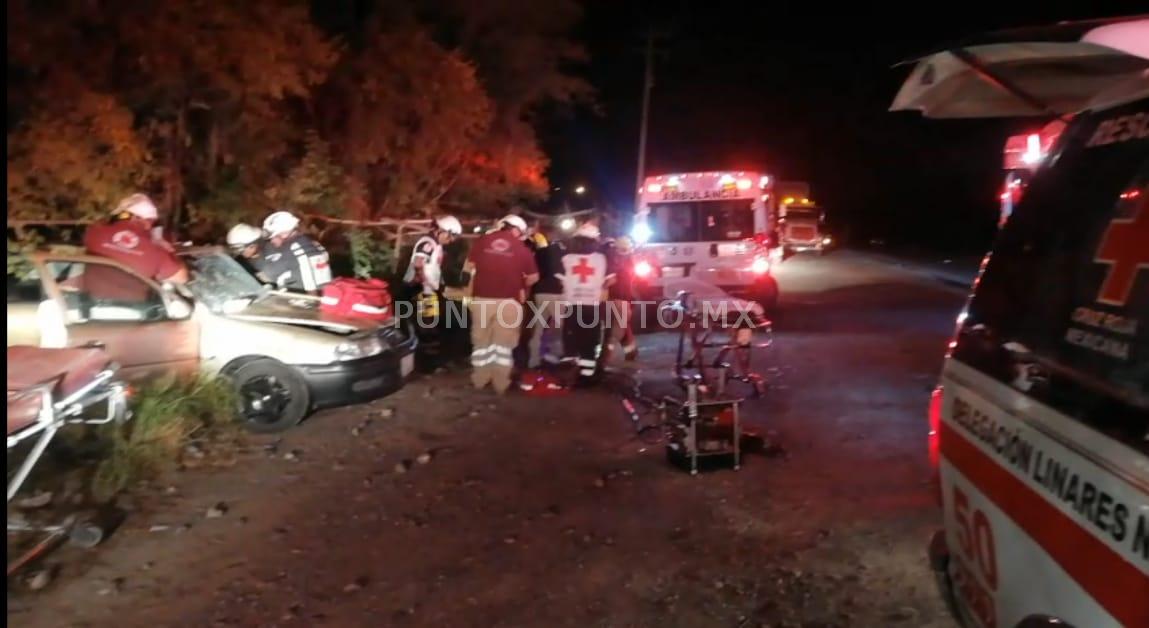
x,y
709,227
1024,154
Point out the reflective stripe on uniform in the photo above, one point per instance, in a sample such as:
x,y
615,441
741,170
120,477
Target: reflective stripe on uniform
x,y
479,356
503,355
306,272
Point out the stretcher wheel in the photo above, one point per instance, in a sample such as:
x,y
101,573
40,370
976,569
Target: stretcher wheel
x,y
85,535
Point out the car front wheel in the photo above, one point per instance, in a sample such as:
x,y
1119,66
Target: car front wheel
x,y
272,396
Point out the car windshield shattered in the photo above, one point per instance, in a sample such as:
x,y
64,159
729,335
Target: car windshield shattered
x,y
222,284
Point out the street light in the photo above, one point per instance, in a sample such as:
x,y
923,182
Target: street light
x,y
580,189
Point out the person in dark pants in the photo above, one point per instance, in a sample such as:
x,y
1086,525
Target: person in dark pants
x,y
423,289
586,277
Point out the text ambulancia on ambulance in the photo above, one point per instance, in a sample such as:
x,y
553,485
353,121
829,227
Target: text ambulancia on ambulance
x,y
1039,429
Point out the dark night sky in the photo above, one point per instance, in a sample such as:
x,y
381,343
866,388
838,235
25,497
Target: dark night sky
x,y
802,94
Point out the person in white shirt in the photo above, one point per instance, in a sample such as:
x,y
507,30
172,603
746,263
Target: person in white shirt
x,y
424,284
425,272
586,276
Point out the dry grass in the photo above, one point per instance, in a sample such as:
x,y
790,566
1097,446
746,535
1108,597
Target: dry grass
x,y
167,414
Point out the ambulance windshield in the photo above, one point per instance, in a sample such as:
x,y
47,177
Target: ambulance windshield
x,y
702,221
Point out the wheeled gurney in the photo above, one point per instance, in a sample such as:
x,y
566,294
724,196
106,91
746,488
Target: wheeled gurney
x,y
48,389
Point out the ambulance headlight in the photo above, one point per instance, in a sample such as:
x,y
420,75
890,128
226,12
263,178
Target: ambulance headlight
x,y
359,348
641,233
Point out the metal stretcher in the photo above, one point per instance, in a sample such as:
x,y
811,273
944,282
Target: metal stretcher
x,y
48,389
704,429
722,326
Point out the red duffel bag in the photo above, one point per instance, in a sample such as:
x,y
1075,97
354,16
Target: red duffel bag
x,y
357,298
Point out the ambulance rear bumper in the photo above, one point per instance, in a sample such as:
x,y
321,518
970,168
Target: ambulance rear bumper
x,y
939,554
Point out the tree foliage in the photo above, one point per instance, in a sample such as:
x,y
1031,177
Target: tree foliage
x,y
404,116
223,110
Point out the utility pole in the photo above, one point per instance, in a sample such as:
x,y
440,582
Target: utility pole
x,y
648,82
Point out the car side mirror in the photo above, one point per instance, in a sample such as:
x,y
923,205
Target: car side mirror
x,y
177,308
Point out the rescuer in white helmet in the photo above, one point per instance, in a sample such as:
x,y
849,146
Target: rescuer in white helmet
x,y
586,275
128,237
502,270
424,282
245,243
293,260
425,271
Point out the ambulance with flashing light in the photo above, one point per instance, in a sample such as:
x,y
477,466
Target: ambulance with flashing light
x,y
1039,429
706,226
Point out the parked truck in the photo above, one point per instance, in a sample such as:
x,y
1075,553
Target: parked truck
x,y
800,221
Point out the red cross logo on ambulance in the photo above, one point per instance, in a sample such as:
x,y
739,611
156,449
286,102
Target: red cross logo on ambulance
x,y
1124,248
126,240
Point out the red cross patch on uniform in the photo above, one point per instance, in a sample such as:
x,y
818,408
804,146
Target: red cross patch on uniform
x,y
126,239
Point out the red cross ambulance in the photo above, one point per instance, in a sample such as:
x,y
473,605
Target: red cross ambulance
x,y
1039,429
709,227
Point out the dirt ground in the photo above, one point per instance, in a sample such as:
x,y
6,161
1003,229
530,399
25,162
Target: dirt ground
x,y
441,506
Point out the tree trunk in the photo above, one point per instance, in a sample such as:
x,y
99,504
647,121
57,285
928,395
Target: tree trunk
x,y
173,184
212,153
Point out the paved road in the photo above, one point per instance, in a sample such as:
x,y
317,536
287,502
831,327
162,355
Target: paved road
x,y
546,513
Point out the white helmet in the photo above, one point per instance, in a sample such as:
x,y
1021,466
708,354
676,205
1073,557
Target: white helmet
x,y
280,223
450,224
138,205
242,235
588,230
515,221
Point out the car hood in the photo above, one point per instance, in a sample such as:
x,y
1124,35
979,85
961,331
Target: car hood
x,y
300,310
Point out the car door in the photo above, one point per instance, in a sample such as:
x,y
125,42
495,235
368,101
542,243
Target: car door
x,y
141,327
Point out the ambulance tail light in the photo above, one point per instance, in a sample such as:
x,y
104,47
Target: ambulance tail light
x,y
1033,152
643,269
935,419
